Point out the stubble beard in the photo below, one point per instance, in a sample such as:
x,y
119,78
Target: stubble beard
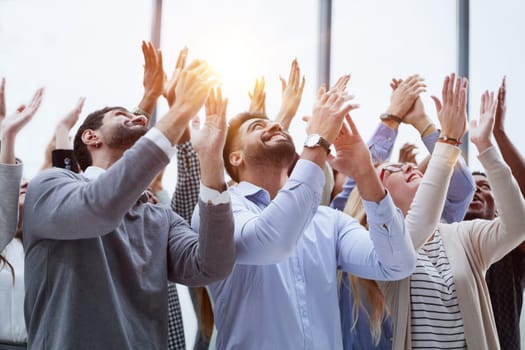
x,y
123,137
281,155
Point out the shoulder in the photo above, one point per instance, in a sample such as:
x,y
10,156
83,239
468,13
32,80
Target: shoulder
x,y
56,173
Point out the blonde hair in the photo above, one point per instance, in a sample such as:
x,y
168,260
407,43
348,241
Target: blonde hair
x,y
375,307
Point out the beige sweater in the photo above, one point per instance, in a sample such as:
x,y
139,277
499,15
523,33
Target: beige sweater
x,y
471,246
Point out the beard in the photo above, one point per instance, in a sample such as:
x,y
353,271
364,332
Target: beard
x,y
124,138
280,154
485,213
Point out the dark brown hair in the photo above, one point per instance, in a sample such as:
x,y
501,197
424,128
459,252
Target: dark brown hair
x,y
93,122
233,129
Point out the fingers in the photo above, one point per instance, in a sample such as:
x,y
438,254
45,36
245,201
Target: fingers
x,y
463,94
181,60
35,102
283,83
437,103
341,83
301,88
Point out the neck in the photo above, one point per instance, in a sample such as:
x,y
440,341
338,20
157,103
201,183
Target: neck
x,y
105,158
272,179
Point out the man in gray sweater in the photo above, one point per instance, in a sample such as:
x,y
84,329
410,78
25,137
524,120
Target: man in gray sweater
x,y
97,257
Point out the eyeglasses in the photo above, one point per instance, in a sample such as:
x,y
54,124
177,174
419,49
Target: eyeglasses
x,y
395,168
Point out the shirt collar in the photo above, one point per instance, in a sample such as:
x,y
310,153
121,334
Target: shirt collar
x,y
252,192
92,172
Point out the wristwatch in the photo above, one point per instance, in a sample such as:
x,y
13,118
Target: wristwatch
x,y
316,140
386,116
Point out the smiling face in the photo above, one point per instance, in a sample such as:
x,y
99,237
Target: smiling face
x,y
121,128
402,181
482,205
257,141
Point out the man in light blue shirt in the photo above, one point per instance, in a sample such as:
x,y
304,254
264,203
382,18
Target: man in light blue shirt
x,y
282,293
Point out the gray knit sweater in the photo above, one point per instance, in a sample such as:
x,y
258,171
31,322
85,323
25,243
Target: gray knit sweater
x,y
10,176
97,260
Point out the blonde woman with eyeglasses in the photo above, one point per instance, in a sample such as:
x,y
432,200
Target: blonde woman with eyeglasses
x,y
445,302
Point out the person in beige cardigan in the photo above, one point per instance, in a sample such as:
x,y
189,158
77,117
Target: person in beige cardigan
x,y
469,246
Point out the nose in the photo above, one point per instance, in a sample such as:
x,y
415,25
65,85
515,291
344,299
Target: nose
x,y
139,119
408,167
275,126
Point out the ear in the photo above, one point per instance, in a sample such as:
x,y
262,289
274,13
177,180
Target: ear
x,y
235,159
90,138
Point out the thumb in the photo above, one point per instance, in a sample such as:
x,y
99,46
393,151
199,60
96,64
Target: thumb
x,y
437,102
283,83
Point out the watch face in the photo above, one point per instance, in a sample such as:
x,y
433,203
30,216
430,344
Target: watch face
x,y
312,140
384,116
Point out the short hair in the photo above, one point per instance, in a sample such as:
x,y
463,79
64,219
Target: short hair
x,y
233,129
93,121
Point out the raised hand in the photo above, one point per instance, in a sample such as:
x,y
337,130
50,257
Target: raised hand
x,y
13,123
352,153
452,114
501,111
353,159
407,153
258,98
65,125
169,85
329,111
209,140
191,90
153,70
481,131
404,95
292,92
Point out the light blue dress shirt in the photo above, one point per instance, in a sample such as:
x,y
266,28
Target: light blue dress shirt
x,y
282,293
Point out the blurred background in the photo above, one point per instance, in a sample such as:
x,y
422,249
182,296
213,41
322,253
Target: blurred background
x,y
93,49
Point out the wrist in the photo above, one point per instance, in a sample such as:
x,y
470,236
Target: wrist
x,y
428,129
483,146
450,140
316,155
148,103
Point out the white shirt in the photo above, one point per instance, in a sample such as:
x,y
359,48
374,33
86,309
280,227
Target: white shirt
x,y
12,322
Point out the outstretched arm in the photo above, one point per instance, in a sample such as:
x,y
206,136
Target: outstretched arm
x,y
510,153
216,243
10,170
404,103
153,79
427,205
62,154
496,237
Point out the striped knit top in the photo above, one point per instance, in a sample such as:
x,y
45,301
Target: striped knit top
x,y
436,321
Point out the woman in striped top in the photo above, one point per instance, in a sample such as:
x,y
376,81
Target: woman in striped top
x,y
445,304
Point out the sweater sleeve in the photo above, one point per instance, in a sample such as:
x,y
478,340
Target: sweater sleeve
x,y
62,205
10,177
206,257
425,211
494,239
461,189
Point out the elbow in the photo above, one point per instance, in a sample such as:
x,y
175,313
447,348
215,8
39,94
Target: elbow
x,y
401,268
